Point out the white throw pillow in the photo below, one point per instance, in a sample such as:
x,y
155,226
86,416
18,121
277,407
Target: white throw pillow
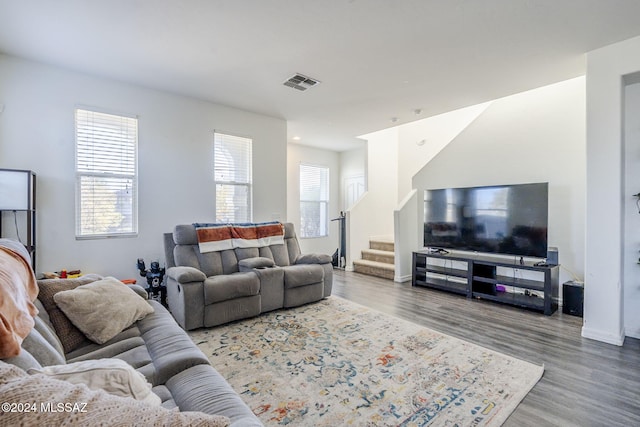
x,y
102,309
114,376
83,407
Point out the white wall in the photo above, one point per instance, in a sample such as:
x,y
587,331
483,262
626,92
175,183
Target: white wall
x,y
382,181
353,163
631,239
406,240
296,155
605,284
420,141
534,136
372,216
412,146
174,160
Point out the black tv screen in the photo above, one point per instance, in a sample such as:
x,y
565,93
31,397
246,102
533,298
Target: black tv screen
x,y
504,219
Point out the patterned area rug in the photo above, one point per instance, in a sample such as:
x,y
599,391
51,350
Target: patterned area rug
x,y
335,363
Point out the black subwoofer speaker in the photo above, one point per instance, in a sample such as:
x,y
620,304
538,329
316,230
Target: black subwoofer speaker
x,y
572,298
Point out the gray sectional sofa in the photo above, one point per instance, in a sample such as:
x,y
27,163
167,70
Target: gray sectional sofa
x,y
155,346
213,288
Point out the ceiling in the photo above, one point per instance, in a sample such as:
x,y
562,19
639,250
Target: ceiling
x,y
376,59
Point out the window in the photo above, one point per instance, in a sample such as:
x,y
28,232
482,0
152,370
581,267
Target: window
x,y
492,205
314,201
232,175
106,174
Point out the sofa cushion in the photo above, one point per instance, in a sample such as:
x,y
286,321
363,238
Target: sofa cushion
x,y
170,348
279,254
165,396
48,333
185,234
42,313
70,336
114,376
102,309
302,275
313,259
230,286
24,361
85,406
244,253
223,312
156,346
41,349
187,256
291,241
202,388
124,341
131,350
210,263
229,261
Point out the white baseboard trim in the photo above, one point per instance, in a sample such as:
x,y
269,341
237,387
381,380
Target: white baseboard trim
x,y
594,334
402,279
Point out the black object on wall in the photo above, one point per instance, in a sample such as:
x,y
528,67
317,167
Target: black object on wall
x,y
573,298
18,197
339,257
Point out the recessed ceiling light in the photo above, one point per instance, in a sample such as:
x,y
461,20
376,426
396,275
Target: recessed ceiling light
x,y
296,138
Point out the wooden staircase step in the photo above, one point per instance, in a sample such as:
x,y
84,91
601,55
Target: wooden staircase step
x,y
378,255
381,244
374,268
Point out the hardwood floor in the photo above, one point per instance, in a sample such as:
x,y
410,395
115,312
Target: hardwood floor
x,y
585,383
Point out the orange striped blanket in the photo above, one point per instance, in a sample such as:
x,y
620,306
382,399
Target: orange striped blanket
x,y
219,237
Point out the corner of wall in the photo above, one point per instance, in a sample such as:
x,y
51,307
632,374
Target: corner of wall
x,y
604,336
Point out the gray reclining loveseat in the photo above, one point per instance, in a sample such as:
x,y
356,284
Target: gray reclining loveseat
x,y
213,288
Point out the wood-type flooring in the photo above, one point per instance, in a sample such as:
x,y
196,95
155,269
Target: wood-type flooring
x,y
585,383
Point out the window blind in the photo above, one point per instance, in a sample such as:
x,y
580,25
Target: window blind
x,y
106,174
314,201
232,159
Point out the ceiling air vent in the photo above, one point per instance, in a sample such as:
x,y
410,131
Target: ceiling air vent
x,y
301,82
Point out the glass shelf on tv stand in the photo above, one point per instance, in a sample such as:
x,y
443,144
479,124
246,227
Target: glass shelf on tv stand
x,y
477,276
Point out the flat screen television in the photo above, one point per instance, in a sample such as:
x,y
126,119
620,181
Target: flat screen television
x,y
502,219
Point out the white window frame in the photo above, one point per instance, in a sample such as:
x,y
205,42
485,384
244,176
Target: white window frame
x,y
323,226
225,176
106,150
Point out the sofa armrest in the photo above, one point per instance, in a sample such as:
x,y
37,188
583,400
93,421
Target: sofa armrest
x,y
313,259
248,264
139,290
185,296
186,274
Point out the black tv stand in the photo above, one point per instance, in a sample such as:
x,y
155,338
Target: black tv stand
x,y
489,278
